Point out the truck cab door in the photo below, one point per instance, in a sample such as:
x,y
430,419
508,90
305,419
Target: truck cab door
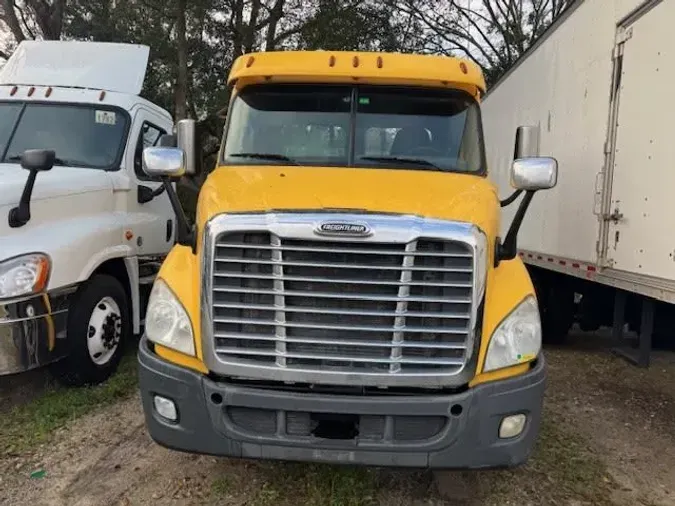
x,y
154,221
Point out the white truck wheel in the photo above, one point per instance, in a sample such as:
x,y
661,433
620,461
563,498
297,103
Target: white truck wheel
x,y
98,326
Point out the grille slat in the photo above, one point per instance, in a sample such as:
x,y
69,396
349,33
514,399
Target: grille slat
x,y
341,280
333,342
342,306
356,328
341,358
336,295
342,250
330,265
353,312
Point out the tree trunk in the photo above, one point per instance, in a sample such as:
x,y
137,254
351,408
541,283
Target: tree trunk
x,y
9,17
276,14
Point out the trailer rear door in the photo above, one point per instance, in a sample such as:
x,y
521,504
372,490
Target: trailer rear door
x,y
639,231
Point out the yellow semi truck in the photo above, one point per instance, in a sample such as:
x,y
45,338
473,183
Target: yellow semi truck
x,y
344,294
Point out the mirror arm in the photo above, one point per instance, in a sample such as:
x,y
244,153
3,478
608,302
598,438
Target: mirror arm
x,y
510,199
185,235
146,194
20,215
508,250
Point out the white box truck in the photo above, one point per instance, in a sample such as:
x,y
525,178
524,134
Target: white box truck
x,y
598,84
83,230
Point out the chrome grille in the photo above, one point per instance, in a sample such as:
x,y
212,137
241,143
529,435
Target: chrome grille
x,y
365,307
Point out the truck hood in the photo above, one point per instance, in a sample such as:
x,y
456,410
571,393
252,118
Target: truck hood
x,y
449,196
58,182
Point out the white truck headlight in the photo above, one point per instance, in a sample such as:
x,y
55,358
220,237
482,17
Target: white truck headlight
x,y
166,321
24,275
517,338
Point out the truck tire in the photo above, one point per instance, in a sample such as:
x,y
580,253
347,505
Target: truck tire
x,y
98,326
556,307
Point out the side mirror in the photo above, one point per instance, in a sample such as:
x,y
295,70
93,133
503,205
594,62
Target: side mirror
x,y
168,164
186,139
38,160
161,162
529,173
532,174
34,161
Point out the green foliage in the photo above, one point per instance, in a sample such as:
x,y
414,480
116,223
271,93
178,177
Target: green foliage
x,y
34,423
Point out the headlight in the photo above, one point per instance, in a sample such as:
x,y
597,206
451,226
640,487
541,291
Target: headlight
x,y
517,339
24,275
166,321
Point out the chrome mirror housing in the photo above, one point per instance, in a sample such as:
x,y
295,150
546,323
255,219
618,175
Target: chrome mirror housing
x,y
159,162
532,174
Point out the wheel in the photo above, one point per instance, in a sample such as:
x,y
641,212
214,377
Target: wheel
x,y
556,307
98,327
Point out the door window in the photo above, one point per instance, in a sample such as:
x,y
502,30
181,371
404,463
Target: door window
x,y
148,137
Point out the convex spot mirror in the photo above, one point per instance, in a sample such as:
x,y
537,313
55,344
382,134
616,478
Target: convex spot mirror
x,y
186,139
162,162
532,174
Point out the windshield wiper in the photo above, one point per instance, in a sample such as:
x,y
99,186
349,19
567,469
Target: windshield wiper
x,y
420,162
57,161
264,156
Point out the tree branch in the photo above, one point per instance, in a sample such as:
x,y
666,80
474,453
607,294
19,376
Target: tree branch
x,y
12,20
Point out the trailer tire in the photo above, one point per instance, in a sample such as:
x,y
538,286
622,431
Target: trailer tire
x,y
98,327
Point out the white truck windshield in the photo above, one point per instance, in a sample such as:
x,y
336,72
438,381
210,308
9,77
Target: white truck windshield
x,y
81,135
364,126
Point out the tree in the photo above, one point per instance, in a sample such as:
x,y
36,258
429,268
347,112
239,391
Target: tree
x,y
493,33
31,19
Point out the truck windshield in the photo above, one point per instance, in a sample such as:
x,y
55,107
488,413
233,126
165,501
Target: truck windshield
x,y
81,135
364,126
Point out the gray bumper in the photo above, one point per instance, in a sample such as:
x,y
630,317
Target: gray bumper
x,y
457,431
33,330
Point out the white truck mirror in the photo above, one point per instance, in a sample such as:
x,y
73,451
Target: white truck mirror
x,y
160,162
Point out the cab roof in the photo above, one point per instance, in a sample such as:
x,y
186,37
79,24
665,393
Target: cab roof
x,y
358,67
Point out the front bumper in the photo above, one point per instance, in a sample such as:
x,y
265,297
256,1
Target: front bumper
x,y
33,330
457,431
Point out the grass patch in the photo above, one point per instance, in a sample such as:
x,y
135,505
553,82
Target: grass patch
x,y
562,467
26,426
316,484
221,486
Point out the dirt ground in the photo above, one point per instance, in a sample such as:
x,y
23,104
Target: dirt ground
x,y
607,440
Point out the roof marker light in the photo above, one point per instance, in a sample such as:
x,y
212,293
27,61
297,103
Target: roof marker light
x,y
380,63
48,92
463,68
331,61
14,90
250,61
31,91
101,96
355,61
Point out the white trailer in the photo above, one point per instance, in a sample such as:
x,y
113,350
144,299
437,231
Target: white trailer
x,y
598,84
83,230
